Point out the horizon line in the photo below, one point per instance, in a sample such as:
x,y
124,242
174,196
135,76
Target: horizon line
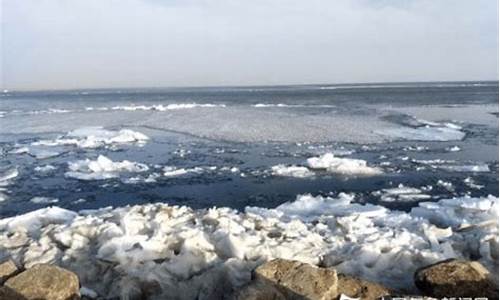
x,y
7,90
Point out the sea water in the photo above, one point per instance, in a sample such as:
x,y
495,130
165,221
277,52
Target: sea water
x,y
233,145
185,186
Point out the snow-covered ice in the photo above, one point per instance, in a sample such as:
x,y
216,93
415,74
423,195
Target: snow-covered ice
x,y
291,171
94,137
346,166
43,200
401,193
102,168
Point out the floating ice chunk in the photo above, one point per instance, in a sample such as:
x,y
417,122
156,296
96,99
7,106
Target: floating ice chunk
x,y
453,149
291,171
466,168
346,166
94,137
161,107
401,194
447,185
37,152
472,184
7,175
20,150
102,168
170,171
45,168
44,200
151,178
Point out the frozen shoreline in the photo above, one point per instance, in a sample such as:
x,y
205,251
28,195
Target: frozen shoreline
x,y
114,251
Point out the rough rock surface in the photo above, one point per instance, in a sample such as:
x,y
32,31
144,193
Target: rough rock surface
x,y
45,282
362,289
456,278
285,279
7,269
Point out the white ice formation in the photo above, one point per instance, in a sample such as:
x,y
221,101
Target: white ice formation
x,y
187,254
102,168
94,137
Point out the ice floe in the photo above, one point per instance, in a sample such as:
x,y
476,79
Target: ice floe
x,y
267,105
171,171
453,149
94,137
45,168
36,152
291,171
102,168
346,166
43,200
472,184
187,253
425,131
453,166
401,193
161,107
6,178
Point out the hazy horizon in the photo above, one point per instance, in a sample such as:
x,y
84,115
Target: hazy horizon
x,y
54,44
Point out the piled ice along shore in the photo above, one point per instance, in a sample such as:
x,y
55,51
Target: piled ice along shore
x,y
183,252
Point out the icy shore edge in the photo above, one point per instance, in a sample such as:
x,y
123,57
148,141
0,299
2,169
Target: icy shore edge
x,y
115,251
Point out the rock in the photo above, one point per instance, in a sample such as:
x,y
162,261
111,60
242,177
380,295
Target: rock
x,y
45,281
258,290
7,269
456,278
296,280
358,288
9,294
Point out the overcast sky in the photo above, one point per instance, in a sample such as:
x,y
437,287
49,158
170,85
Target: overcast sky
x,y
64,44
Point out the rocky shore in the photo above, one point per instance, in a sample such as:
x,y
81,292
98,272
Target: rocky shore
x,y
278,279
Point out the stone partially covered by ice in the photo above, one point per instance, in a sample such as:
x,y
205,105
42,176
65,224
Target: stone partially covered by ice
x,y
185,253
291,171
102,168
346,166
94,137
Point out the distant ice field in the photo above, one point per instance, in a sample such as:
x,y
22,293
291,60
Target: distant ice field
x,y
390,144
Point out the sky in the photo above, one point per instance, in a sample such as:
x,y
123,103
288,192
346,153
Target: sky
x,y
70,44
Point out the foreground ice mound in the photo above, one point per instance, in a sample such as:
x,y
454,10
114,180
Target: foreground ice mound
x,y
346,166
94,137
102,168
186,253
